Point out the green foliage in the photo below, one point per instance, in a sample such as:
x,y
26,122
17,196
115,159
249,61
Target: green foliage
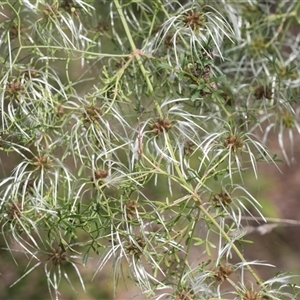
x,y
130,127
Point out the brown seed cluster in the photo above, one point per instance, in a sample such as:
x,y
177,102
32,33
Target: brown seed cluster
x,y
160,125
221,199
99,176
102,27
170,40
60,110
43,161
29,74
194,20
223,272
135,250
14,210
131,206
251,295
262,91
14,88
92,114
233,142
57,256
51,11
188,148
185,294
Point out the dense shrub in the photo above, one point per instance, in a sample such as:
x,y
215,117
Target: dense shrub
x,y
128,132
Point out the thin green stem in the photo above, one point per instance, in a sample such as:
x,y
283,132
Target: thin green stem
x,y
229,240
137,53
213,221
51,47
191,233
